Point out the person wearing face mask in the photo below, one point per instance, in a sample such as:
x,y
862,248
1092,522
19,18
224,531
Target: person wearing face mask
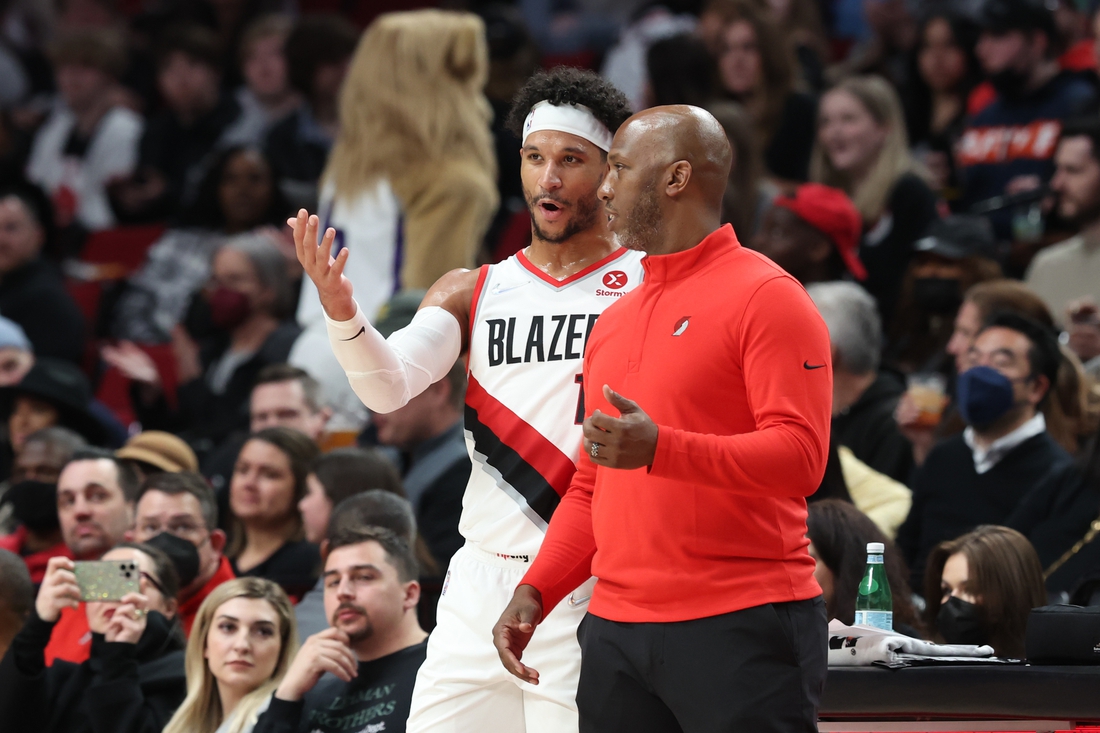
x,y
1004,468
249,301
38,536
956,253
981,587
1018,51
134,678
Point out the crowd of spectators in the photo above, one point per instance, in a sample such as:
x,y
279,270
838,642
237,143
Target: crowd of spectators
x,y
930,171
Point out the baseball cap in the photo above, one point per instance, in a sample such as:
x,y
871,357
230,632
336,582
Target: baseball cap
x,y
163,450
956,237
1001,16
831,212
398,311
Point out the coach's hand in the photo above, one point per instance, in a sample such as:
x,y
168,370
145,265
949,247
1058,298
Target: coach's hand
x,y
628,441
513,631
326,272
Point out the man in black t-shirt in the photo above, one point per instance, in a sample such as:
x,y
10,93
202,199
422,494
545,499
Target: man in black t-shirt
x,y
372,650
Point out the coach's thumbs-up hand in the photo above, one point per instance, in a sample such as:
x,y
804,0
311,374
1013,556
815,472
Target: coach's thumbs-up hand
x,y
628,441
513,631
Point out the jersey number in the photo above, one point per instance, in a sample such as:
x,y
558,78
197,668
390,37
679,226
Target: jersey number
x,y
579,379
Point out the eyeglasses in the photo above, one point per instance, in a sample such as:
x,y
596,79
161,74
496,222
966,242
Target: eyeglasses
x,y
154,582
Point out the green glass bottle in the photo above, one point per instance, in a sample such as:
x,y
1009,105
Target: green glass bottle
x,y
875,604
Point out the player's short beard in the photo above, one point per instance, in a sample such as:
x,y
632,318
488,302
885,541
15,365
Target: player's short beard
x,y
586,214
641,226
363,633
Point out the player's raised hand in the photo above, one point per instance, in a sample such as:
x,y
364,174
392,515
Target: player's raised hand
x,y
513,631
628,441
326,272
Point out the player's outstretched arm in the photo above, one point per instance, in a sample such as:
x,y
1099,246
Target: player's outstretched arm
x,y
326,272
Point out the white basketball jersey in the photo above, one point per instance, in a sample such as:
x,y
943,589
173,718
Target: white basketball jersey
x,y
525,400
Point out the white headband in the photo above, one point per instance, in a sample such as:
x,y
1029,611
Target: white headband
x,y
575,119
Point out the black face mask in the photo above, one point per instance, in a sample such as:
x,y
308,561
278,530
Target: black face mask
x,y
939,295
184,556
1009,83
34,505
959,623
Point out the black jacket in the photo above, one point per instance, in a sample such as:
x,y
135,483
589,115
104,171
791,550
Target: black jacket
x,y
122,688
869,430
34,296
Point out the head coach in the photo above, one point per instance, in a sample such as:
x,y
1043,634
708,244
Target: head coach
x,y
708,399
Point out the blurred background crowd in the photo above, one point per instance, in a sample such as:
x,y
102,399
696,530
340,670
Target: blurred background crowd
x,y
929,170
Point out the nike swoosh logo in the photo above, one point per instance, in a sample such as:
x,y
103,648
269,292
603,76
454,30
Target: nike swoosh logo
x,y
498,290
362,330
808,365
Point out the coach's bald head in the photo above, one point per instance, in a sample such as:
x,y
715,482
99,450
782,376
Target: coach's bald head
x,y
668,168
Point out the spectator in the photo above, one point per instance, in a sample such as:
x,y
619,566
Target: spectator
x,y
748,194
88,139
372,508
1083,330
1070,271
154,451
37,536
980,589
374,648
135,676
178,141
1075,576
32,293
16,355
946,71
411,183
886,502
958,252
680,71
756,67
266,96
813,234
1005,463
249,298
979,304
45,452
863,150
802,23
244,642
839,534
95,506
283,396
53,393
1018,51
268,482
237,195
16,597
864,397
317,53
181,504
428,431
338,475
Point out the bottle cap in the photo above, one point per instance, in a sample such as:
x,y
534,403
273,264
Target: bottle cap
x,y
875,548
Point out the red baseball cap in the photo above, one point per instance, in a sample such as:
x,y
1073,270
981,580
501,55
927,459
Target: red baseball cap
x,y
831,212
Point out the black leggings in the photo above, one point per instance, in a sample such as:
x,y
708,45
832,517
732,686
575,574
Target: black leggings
x,y
758,670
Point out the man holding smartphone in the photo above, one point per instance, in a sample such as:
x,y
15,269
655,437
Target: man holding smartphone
x,y
95,505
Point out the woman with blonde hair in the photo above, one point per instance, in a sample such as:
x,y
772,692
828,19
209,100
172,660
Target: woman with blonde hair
x,y
243,640
862,148
410,185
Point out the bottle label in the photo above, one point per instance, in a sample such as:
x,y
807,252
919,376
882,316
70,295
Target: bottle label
x,y
874,559
883,620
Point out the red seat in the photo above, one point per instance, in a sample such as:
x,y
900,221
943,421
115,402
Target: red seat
x,y
123,248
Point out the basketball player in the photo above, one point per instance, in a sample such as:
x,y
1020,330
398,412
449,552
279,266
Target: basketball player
x,y
523,324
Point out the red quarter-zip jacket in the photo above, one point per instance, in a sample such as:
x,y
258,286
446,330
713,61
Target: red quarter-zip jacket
x,y
728,355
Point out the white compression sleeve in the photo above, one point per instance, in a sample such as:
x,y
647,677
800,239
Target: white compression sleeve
x,y
387,373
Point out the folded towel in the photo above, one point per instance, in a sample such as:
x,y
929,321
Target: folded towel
x,y
862,646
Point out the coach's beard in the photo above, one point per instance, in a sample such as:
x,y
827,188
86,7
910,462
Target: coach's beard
x,y
641,226
354,636
585,216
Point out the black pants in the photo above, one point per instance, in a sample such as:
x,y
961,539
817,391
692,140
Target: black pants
x,y
757,670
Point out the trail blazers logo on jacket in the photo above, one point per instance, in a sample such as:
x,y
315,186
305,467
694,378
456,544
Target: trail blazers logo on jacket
x,y
681,325
1005,143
